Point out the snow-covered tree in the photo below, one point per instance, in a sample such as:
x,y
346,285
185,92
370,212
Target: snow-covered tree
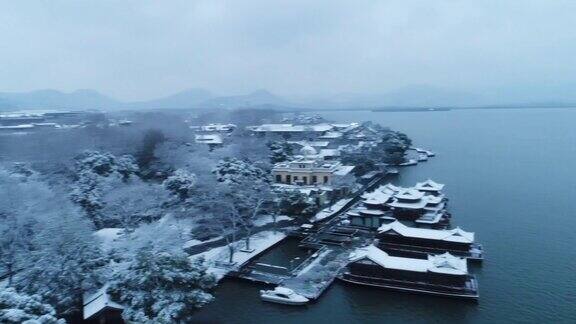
x,y
394,146
126,165
87,193
219,208
181,183
104,163
159,287
146,154
231,170
67,261
17,198
15,243
48,243
21,308
133,202
280,151
251,200
294,203
97,173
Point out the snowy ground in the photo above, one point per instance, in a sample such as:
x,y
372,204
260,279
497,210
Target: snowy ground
x,y
195,242
331,210
107,236
262,221
267,219
217,258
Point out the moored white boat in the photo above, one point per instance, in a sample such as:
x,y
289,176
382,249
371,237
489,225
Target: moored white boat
x,y
283,295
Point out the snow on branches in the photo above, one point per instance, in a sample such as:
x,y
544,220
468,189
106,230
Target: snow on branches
x,y
233,171
181,183
161,287
21,308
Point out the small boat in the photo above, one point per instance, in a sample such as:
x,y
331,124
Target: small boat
x,y
392,171
430,153
283,295
422,157
409,163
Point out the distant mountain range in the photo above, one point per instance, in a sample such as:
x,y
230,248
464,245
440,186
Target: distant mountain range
x,y
410,96
91,99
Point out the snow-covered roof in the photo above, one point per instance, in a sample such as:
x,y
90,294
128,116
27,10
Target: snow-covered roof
x,y
444,263
291,128
431,217
416,204
310,143
376,197
434,199
208,139
372,212
389,189
453,235
331,135
97,302
448,264
22,126
409,194
329,152
344,170
308,150
429,185
30,113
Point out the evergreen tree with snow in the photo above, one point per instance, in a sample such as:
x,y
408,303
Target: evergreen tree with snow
x,y
97,172
26,309
87,192
161,287
294,203
394,146
104,163
181,183
232,170
279,151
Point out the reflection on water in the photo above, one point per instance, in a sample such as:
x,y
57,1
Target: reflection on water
x,y
509,175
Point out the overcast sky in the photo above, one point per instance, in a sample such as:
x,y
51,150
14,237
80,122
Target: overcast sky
x,y
144,49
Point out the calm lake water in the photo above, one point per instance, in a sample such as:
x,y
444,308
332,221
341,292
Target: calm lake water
x,y
510,176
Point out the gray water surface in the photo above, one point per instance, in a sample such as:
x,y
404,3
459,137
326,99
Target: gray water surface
x,y
510,178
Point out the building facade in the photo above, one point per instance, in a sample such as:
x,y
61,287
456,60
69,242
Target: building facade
x,y
306,172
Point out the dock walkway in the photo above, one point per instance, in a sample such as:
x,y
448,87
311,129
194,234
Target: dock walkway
x,y
334,243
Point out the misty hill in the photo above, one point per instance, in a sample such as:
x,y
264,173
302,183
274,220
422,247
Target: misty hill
x,y
409,96
90,99
53,99
190,98
254,99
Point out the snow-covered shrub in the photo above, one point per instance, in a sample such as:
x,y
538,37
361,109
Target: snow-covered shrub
x,y
21,308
